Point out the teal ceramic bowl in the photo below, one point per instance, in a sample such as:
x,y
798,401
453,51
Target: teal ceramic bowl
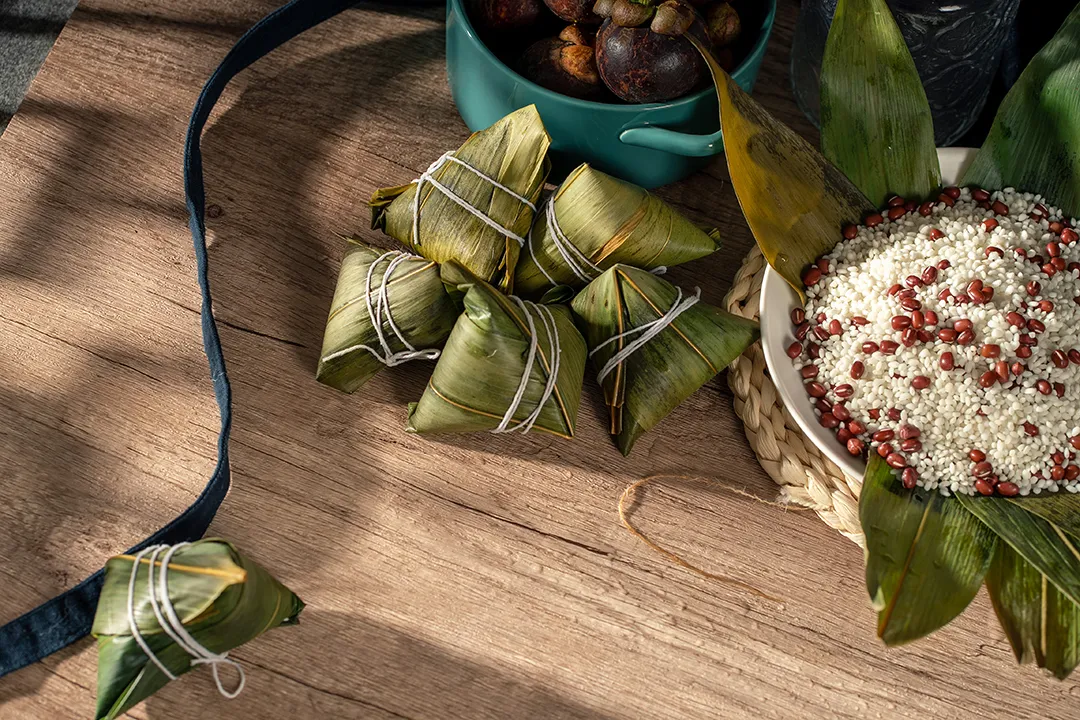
x,y
650,145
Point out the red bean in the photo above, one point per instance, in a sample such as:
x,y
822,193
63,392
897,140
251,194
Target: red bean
x,y
1044,387
857,370
988,379
815,389
1036,325
794,350
823,405
1023,352
859,320
1072,472
869,348
894,414
1074,355
994,250
1057,473
1008,489
947,362
990,351
1049,270
952,191
1046,306
979,195
909,337
920,382
966,338
909,477
821,332
935,234
811,276
896,460
843,435
885,450
813,350
984,487
926,208
883,435
1068,235
1017,369
1000,208
895,213
1060,359
1059,389
850,231
963,324
840,410
1053,250
918,320
925,336
946,199
909,431
856,428
944,294
911,445
1056,227
1075,442
828,420
976,456
1033,288
809,371
895,201
888,347
1015,319
855,446
844,391
835,328
947,335
1031,430
982,469
989,224
1001,368
874,220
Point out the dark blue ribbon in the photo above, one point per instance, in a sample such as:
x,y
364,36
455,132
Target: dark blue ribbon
x,y
68,617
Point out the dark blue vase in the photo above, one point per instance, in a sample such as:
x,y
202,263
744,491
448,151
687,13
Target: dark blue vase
x,y
957,46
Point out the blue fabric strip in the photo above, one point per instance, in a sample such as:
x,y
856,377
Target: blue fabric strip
x,y
68,617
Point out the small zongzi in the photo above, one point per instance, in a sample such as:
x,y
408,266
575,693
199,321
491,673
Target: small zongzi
x,y
474,205
594,221
169,608
389,308
653,345
509,365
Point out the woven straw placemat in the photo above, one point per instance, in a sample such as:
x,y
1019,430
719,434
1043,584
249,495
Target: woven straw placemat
x,y
805,476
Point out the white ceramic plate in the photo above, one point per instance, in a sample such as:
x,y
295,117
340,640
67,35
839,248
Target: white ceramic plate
x,y
778,299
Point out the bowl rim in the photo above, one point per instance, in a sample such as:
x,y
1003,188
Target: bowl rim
x,y
757,51
779,364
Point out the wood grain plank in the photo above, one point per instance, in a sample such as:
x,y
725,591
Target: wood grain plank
x,y
472,577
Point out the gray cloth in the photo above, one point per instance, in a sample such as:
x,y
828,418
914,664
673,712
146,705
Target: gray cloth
x,y
28,29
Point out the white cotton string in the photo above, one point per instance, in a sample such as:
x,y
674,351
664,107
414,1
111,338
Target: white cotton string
x,y
648,332
585,270
165,613
428,176
555,352
379,313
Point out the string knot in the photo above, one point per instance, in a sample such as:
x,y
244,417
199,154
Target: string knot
x,y
554,350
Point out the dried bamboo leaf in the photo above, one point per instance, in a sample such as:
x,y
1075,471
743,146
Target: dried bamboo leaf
x,y
222,598
1034,143
650,383
876,124
1042,624
608,221
794,200
513,152
926,555
1046,546
483,362
419,306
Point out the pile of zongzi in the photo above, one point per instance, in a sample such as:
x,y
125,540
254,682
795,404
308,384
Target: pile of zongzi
x,y
511,364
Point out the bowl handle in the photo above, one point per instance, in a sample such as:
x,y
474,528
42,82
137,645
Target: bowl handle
x,y
673,141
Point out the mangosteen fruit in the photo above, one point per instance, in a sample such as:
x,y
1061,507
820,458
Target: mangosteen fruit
x,y
723,23
565,64
497,16
641,53
574,11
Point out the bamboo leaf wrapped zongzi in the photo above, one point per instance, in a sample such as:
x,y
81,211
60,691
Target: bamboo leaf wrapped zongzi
x,y
475,205
594,221
509,365
653,345
168,609
389,308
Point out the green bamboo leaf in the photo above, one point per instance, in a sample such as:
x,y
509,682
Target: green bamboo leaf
x,y
484,359
875,120
1053,552
418,304
607,221
926,556
1034,144
645,387
1042,624
1061,509
222,598
794,199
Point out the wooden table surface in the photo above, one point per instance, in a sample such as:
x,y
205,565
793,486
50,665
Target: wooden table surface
x,y
455,577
